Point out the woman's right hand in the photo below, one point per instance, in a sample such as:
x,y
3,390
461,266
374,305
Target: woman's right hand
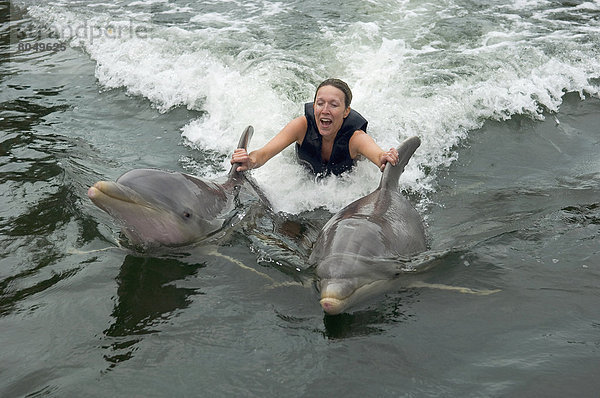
x,y
293,132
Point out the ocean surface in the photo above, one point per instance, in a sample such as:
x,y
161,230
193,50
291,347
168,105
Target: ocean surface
x,y
504,96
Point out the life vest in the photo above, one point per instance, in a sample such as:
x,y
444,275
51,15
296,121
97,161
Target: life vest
x,y
309,153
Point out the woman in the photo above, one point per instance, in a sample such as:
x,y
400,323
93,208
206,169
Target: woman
x,y
329,137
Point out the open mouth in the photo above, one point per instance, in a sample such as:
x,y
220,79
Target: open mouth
x,y
325,122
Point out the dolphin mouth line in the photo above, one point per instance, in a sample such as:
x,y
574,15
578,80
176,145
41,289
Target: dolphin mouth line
x,y
333,304
337,297
349,295
113,194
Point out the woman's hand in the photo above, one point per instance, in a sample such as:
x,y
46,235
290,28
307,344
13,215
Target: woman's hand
x,y
390,156
241,157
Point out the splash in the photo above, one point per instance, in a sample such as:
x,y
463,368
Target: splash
x,y
436,70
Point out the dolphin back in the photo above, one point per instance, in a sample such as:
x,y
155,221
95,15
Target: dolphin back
x,y
391,174
243,143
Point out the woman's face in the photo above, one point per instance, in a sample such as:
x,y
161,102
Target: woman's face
x,y
330,110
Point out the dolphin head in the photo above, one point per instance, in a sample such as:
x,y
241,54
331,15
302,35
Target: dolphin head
x,y
345,280
159,208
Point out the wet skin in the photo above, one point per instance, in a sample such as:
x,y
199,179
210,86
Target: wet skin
x,y
353,251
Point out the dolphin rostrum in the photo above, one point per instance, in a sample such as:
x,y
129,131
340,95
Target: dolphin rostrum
x,y
356,253
159,208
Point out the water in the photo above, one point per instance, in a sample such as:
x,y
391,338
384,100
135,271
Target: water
x,y
507,180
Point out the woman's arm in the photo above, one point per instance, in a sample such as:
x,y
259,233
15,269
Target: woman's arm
x,y
294,131
362,144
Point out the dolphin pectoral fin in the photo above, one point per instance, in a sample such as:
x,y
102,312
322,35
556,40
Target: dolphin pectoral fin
x,y
460,289
215,252
273,285
286,284
77,251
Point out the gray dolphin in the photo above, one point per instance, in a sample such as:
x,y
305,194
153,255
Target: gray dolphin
x,y
356,253
160,208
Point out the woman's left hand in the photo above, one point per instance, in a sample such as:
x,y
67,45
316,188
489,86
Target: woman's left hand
x,y
390,156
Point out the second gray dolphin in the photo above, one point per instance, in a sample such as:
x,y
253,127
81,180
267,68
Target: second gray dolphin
x,y
160,208
357,250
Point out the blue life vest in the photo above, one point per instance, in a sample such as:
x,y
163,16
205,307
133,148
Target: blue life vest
x,y
309,153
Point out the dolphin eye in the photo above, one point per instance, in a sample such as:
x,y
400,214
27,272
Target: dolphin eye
x,y
187,214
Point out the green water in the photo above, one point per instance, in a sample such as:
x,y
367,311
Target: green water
x,y
518,210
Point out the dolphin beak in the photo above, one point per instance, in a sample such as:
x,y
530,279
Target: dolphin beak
x,y
113,190
97,194
332,306
119,201
94,191
335,295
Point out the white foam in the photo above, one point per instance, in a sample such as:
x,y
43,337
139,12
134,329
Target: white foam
x,y
409,74
387,81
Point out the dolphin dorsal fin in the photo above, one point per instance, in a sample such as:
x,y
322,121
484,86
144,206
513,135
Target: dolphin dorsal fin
x,y
391,174
243,143
234,174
